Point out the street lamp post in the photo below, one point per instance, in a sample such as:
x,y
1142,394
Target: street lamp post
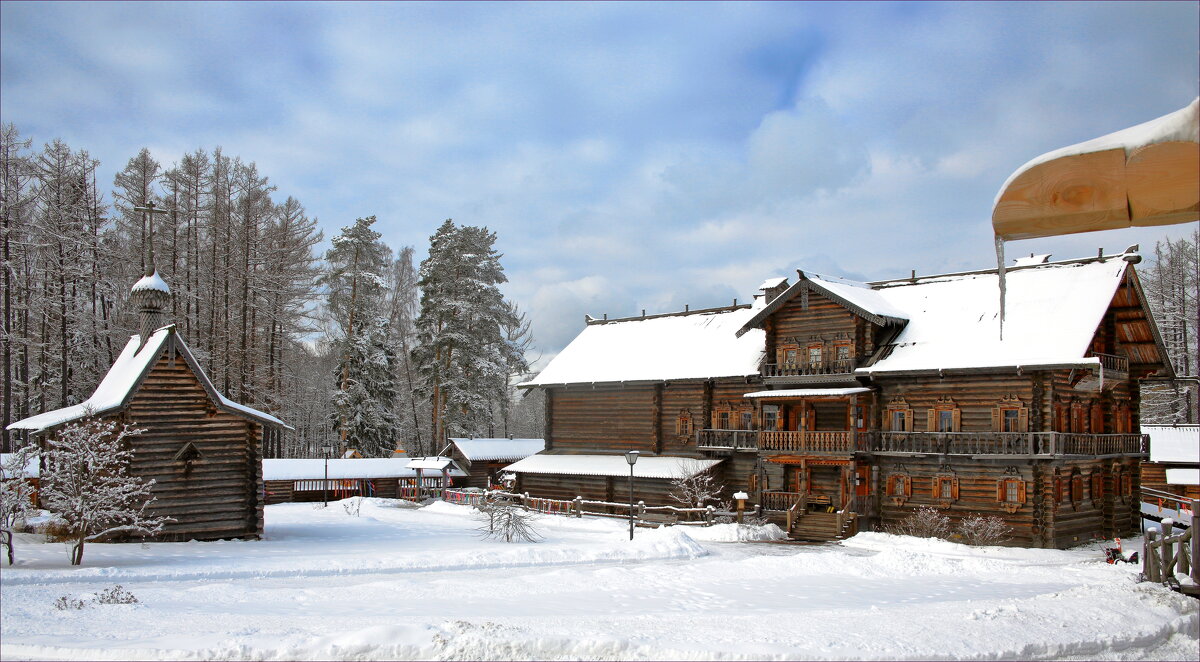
x,y
326,450
631,457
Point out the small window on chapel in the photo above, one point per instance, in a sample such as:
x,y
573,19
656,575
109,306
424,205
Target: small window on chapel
x,y
683,426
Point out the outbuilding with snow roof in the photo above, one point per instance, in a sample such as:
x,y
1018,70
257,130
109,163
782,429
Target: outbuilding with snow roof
x,y
484,459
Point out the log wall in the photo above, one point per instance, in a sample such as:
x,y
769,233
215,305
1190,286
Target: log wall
x,y
217,495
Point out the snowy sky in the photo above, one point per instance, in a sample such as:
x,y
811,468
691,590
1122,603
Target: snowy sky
x,y
629,155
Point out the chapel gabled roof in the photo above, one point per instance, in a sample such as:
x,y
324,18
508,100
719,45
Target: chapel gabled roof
x,y
125,377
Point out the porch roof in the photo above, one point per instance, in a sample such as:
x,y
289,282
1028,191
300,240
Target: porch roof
x,y
809,392
612,465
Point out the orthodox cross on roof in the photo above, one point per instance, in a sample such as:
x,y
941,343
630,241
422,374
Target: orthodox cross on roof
x,y
150,211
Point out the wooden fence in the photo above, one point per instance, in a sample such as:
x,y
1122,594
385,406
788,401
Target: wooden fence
x,y
1166,554
580,507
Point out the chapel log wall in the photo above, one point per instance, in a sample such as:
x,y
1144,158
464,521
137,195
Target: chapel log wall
x,y
218,495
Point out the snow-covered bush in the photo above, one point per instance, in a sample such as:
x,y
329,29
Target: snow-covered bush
x,y
63,603
980,530
924,522
87,486
16,496
352,506
116,595
505,520
697,488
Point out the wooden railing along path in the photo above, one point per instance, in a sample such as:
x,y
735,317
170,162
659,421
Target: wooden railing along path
x,y
1168,553
580,507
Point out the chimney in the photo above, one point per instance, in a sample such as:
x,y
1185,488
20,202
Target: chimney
x,y
773,287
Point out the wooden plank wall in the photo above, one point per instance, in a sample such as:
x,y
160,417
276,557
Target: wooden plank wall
x,y
1154,476
974,395
219,496
823,320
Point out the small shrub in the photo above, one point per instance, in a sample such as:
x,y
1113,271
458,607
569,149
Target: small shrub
x,y
116,595
65,603
505,520
924,522
352,506
980,530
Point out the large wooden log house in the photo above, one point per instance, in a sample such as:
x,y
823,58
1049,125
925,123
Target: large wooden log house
x,y
203,450
869,400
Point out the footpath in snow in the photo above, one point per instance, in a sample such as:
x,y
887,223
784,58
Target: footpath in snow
x,y
419,583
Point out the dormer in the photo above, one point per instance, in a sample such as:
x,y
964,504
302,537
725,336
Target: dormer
x,y
820,329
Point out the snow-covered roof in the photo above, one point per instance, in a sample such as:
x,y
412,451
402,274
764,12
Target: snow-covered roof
x,y
32,468
1183,476
122,379
498,449
1174,443
859,295
1052,313
684,346
772,283
1031,260
612,465
308,469
432,463
808,392
151,282
1180,125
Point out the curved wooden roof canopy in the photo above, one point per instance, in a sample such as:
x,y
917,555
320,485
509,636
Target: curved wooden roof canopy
x,y
1145,175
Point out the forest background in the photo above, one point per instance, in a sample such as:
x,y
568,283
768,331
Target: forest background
x,y
358,345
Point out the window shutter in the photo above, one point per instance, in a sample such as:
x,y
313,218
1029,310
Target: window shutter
x,y
954,489
1001,490
1023,419
957,420
931,421
997,424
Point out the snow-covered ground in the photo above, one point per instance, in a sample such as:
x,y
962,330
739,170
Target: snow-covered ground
x,y
404,583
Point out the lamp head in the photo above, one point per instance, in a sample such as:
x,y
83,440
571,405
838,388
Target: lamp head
x,y
631,457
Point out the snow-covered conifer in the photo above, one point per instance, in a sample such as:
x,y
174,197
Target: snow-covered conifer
x,y
466,350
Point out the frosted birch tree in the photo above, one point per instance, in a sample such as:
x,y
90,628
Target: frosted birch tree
x,y
87,484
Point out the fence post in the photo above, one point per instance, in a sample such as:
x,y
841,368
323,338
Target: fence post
x,y
1183,557
1168,552
641,508
578,506
708,516
525,500
1149,556
1195,543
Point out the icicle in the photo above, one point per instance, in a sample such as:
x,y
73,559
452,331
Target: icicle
x,y
1000,272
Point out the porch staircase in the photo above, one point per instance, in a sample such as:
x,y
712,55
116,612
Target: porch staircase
x,y
816,527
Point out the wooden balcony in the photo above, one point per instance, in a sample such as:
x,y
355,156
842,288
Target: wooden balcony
x,y
772,370
1113,363
942,443
1006,443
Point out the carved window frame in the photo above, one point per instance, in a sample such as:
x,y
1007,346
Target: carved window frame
x,y
838,346
683,423
943,482
814,350
781,355
1096,487
899,487
1011,493
933,419
1010,403
899,406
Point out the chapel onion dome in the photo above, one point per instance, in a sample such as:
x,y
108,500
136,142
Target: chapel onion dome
x,y
152,298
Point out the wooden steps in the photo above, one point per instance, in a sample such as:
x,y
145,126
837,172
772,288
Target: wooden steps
x,y
814,527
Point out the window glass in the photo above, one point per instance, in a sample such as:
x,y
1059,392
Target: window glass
x,y
945,420
1010,419
898,487
947,488
789,356
814,355
723,420
899,420
769,419
842,353
747,419
1010,491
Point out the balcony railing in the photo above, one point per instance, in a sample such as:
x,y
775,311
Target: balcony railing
x,y
1007,443
842,367
1112,362
952,443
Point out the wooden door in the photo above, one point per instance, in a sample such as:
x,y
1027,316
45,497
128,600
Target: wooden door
x,y
863,474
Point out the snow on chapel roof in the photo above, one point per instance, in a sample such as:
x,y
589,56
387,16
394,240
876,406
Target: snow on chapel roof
x,y
121,380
